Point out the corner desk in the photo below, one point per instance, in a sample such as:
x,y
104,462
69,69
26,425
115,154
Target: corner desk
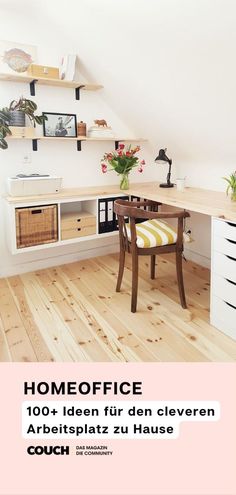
x,y
223,244
212,203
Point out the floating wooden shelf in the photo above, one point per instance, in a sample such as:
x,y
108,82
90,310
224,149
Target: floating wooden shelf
x,y
77,85
79,139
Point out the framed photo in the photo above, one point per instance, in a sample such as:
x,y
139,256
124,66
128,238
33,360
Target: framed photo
x,y
15,58
60,125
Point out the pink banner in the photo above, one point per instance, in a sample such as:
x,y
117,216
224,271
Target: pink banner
x,y
199,461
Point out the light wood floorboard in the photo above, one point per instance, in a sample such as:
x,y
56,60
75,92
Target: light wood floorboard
x,y
72,313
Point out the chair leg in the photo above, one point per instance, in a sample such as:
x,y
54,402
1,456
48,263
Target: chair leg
x,y
134,282
121,269
153,261
180,280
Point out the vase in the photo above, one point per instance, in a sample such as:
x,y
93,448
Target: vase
x,y
124,182
233,196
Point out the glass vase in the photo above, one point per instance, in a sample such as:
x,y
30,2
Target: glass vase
x,y
124,182
233,196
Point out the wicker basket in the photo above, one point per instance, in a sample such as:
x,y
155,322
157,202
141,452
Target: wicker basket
x,y
37,225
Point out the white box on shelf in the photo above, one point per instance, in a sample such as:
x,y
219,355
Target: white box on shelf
x,y
33,185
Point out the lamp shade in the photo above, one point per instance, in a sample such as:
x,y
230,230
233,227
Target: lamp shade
x,y
162,157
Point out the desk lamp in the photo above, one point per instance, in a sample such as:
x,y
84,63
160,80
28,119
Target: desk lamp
x,y
162,159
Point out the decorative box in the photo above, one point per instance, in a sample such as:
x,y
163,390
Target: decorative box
x,y
36,225
22,132
43,71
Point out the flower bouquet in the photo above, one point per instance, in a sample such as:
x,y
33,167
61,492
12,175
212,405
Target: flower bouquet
x,y
122,161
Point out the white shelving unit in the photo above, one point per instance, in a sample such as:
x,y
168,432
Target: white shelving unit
x,y
85,200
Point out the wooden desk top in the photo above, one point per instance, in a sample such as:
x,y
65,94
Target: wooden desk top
x,y
207,202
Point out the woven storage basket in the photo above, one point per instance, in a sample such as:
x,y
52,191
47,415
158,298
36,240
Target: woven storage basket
x,y
37,225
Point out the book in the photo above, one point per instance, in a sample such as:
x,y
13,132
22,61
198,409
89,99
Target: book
x,y
67,67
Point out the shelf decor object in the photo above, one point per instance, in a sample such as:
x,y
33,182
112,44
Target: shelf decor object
x,y
122,161
16,58
59,125
43,71
162,158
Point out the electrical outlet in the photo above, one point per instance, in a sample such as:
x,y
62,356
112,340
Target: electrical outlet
x,y
26,158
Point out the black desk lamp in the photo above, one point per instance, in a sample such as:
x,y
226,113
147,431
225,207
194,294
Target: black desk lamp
x,y
162,158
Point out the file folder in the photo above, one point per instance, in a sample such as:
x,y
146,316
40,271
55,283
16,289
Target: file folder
x,y
107,218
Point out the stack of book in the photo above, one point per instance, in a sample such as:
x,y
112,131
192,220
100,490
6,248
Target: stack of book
x,y
100,132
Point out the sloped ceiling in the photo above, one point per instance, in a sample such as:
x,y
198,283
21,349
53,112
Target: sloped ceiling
x,y
168,66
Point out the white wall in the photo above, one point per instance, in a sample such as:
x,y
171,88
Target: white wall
x,y
167,67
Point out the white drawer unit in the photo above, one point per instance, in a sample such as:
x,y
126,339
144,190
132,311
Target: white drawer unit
x,y
223,277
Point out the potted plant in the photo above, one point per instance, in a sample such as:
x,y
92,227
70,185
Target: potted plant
x,y
122,161
14,115
231,185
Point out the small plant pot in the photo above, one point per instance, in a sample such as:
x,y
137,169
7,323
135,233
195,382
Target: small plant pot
x,y
17,118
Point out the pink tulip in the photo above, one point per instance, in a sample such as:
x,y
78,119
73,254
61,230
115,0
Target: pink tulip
x,y
143,162
104,168
121,146
140,169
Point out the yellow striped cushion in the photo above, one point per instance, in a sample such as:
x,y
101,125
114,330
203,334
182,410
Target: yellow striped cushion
x,y
154,233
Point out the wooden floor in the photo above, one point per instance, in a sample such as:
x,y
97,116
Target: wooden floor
x,y
72,313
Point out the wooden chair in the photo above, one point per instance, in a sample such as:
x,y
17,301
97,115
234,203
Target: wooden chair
x,y
129,238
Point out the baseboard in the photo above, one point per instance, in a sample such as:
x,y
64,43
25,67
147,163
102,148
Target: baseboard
x,y
197,258
59,260
87,253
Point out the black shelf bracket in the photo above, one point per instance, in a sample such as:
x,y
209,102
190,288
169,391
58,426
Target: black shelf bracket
x,y
32,87
34,144
116,145
77,92
78,145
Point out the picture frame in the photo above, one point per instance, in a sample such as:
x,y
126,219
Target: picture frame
x,y
60,125
16,58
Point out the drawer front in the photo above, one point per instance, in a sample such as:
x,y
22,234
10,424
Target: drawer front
x,y
223,317
224,289
225,246
224,265
69,224
222,228
78,232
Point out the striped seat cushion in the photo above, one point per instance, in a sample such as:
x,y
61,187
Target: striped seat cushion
x,y
153,233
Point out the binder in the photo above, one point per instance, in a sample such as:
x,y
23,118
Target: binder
x,y
106,215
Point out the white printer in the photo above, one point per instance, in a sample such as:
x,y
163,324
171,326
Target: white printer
x,y
30,185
